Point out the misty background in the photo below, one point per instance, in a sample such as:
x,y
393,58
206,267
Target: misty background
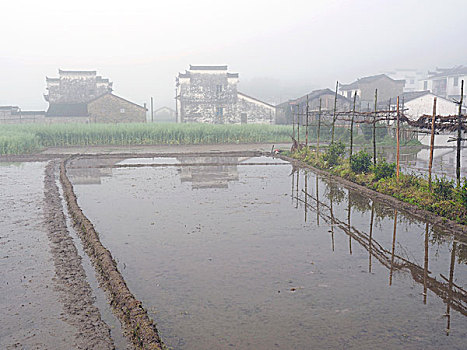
x,y
281,49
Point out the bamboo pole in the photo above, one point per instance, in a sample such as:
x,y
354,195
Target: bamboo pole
x,y
306,131
293,123
374,127
459,138
398,141
334,114
319,127
298,125
351,123
432,143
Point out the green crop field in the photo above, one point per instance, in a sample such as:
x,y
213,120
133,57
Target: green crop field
x,y
19,139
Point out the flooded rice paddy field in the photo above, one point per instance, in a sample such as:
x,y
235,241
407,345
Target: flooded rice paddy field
x,y
238,254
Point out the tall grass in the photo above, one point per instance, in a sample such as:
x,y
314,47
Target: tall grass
x,y
18,139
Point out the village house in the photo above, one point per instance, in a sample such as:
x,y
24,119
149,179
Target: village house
x,y
419,103
446,82
85,97
165,115
388,89
209,94
412,78
287,111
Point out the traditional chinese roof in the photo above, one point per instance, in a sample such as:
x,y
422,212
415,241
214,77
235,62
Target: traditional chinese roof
x,y
224,67
446,72
366,80
67,110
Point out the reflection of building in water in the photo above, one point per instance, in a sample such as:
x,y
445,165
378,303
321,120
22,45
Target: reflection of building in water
x,y
218,172
89,171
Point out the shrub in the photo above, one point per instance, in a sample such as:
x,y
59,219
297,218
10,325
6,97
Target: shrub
x,y
384,170
443,188
360,162
335,150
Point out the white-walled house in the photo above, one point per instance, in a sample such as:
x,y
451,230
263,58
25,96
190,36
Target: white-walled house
x,y
419,103
446,82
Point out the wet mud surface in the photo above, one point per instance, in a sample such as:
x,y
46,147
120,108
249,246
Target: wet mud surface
x,y
263,257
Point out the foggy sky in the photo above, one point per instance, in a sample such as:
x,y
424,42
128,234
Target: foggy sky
x,y
281,49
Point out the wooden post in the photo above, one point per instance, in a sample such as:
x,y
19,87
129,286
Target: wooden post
x,y
306,194
374,127
319,127
298,125
459,138
334,114
349,210
432,143
152,110
398,141
317,200
293,124
351,123
306,131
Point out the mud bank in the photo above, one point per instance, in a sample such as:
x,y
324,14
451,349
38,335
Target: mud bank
x,y
446,225
139,327
75,292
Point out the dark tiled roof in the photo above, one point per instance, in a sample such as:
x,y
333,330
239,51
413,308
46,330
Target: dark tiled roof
x,y
446,72
232,75
208,67
365,80
28,113
52,79
67,110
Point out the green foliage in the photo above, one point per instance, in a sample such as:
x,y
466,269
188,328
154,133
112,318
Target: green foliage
x,y
463,193
360,162
332,154
443,188
381,131
17,139
383,170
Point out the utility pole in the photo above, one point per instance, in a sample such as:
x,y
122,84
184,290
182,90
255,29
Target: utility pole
x,y
319,127
152,110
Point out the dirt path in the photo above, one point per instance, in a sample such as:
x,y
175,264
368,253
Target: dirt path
x,y
75,292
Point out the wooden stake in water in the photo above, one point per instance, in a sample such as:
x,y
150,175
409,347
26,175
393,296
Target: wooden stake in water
x,y
432,143
459,138
298,125
293,124
450,285
334,114
370,240
425,268
398,141
351,123
374,127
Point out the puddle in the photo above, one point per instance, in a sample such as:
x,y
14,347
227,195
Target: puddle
x,y
264,257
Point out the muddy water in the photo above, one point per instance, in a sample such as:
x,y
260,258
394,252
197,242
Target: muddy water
x,y
266,256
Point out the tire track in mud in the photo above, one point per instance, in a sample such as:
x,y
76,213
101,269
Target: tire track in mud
x,y
75,292
139,328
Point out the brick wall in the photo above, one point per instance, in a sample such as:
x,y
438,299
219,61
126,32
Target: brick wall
x,y
113,109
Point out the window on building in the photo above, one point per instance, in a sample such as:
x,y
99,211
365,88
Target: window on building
x,y
220,111
219,89
456,81
412,81
122,110
244,118
349,94
425,85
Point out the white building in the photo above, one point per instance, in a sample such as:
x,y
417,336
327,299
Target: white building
x,y
412,78
419,103
446,82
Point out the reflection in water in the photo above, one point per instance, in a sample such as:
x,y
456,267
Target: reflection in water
x,y
90,171
453,295
209,176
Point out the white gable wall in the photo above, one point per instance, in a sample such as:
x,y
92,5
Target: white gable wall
x,y
424,105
